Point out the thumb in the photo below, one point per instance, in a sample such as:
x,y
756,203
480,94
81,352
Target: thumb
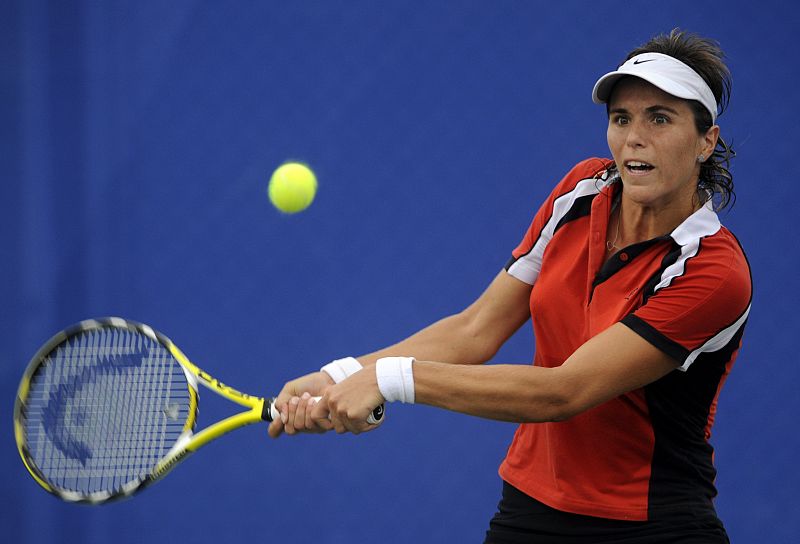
x,y
275,428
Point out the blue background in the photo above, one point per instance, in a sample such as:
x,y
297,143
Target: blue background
x,y
136,141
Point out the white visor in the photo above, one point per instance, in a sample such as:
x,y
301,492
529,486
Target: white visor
x,y
667,73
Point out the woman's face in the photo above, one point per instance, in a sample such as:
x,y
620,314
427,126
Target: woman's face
x,y
654,141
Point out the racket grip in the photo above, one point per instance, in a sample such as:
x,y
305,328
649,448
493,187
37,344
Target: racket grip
x,y
270,412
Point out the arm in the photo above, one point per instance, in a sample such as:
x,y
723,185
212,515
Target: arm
x,y
471,336
614,362
698,312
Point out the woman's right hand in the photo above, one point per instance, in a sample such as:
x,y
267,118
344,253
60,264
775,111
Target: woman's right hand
x,y
294,404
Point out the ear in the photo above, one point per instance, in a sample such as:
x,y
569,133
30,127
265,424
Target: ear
x,y
708,141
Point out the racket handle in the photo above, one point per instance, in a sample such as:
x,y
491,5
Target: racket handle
x,y
270,412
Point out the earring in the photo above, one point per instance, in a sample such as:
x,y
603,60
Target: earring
x,y
701,158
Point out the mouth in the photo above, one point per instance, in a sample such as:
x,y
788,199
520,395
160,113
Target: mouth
x,y
638,167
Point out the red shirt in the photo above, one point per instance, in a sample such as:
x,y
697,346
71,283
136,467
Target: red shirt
x,y
644,454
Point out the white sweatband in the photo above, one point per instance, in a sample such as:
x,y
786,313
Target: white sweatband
x,y
341,369
396,378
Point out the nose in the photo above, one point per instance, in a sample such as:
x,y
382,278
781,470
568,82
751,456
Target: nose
x,y
636,137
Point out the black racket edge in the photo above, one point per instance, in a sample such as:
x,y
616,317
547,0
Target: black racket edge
x,y
36,361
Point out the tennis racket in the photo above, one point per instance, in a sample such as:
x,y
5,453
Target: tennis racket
x,y
109,406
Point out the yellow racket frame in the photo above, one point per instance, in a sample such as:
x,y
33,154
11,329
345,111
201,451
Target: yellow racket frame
x,y
258,409
187,442
190,442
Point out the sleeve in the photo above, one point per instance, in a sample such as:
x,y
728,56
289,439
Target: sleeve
x,y
584,180
703,309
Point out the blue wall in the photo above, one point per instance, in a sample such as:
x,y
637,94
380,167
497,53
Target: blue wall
x,y
136,141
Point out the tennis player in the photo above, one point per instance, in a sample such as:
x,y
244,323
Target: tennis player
x,y
638,298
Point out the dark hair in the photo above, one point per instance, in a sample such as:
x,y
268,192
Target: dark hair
x,y
705,57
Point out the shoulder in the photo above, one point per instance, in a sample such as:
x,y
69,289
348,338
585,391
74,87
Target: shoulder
x,y
721,264
701,298
708,250
712,251
593,168
567,200
704,286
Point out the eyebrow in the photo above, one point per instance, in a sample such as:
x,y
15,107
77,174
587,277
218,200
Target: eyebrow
x,y
651,109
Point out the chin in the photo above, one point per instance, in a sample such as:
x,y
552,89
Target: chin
x,y
641,191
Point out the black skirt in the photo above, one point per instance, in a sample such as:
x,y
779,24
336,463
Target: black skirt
x,y
522,519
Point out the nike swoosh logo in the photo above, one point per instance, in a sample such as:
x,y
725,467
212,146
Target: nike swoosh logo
x,y
640,61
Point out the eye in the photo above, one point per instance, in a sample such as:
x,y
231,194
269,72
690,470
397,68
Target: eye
x,y
660,119
620,120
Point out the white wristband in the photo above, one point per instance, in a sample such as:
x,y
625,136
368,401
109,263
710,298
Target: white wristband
x,y
341,369
396,378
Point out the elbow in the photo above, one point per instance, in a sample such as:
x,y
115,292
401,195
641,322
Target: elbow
x,y
483,354
569,401
563,411
481,343
558,401
554,409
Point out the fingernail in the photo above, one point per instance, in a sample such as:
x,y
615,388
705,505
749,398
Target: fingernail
x,y
306,395
284,417
295,400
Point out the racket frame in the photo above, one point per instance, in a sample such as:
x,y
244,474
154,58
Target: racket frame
x,y
188,441
258,409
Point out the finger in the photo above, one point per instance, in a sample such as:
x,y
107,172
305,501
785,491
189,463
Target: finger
x,y
338,426
310,423
335,416
352,424
299,421
357,422
275,428
341,416
319,415
291,409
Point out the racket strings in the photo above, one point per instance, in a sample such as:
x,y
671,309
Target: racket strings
x,y
103,409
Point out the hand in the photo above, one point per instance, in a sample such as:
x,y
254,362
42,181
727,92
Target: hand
x,y
294,403
347,405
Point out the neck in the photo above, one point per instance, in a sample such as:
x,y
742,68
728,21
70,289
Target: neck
x,y
637,223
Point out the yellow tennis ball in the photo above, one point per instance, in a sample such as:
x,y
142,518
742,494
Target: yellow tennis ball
x,y
292,187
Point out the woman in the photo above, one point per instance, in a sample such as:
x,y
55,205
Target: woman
x,y
638,298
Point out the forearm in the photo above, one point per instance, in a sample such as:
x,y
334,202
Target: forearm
x,y
449,340
517,393
473,335
612,363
